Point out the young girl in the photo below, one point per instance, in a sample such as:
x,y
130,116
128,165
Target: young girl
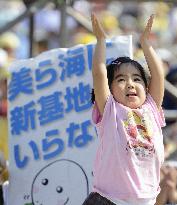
x,y
128,117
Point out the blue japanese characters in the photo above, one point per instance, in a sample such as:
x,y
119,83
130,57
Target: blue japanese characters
x,y
48,108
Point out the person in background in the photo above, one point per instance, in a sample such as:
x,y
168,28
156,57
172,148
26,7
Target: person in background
x,y
9,42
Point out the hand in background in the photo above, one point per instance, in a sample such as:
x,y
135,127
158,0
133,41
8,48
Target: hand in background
x,y
171,183
168,186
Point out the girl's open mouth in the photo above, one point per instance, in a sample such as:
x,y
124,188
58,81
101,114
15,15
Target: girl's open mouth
x,y
131,95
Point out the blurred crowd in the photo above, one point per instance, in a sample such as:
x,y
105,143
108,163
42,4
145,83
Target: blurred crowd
x,y
118,18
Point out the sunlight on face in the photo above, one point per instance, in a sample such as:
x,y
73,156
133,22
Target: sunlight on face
x,y
128,87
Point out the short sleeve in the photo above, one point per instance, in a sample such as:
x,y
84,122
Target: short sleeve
x,y
158,113
96,115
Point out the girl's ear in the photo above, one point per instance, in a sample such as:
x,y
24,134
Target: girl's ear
x,y
147,89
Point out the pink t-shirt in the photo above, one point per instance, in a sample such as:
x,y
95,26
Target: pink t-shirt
x,y
130,152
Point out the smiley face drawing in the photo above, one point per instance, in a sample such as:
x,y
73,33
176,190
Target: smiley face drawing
x,y
62,182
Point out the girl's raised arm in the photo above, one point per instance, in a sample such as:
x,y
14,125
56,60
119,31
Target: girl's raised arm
x,y
156,86
99,72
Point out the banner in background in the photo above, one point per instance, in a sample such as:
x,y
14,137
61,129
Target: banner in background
x,y
52,141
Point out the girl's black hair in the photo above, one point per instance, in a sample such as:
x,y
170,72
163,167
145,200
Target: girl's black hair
x,y
115,65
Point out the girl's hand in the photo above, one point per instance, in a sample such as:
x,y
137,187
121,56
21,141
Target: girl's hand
x,y
97,28
146,34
